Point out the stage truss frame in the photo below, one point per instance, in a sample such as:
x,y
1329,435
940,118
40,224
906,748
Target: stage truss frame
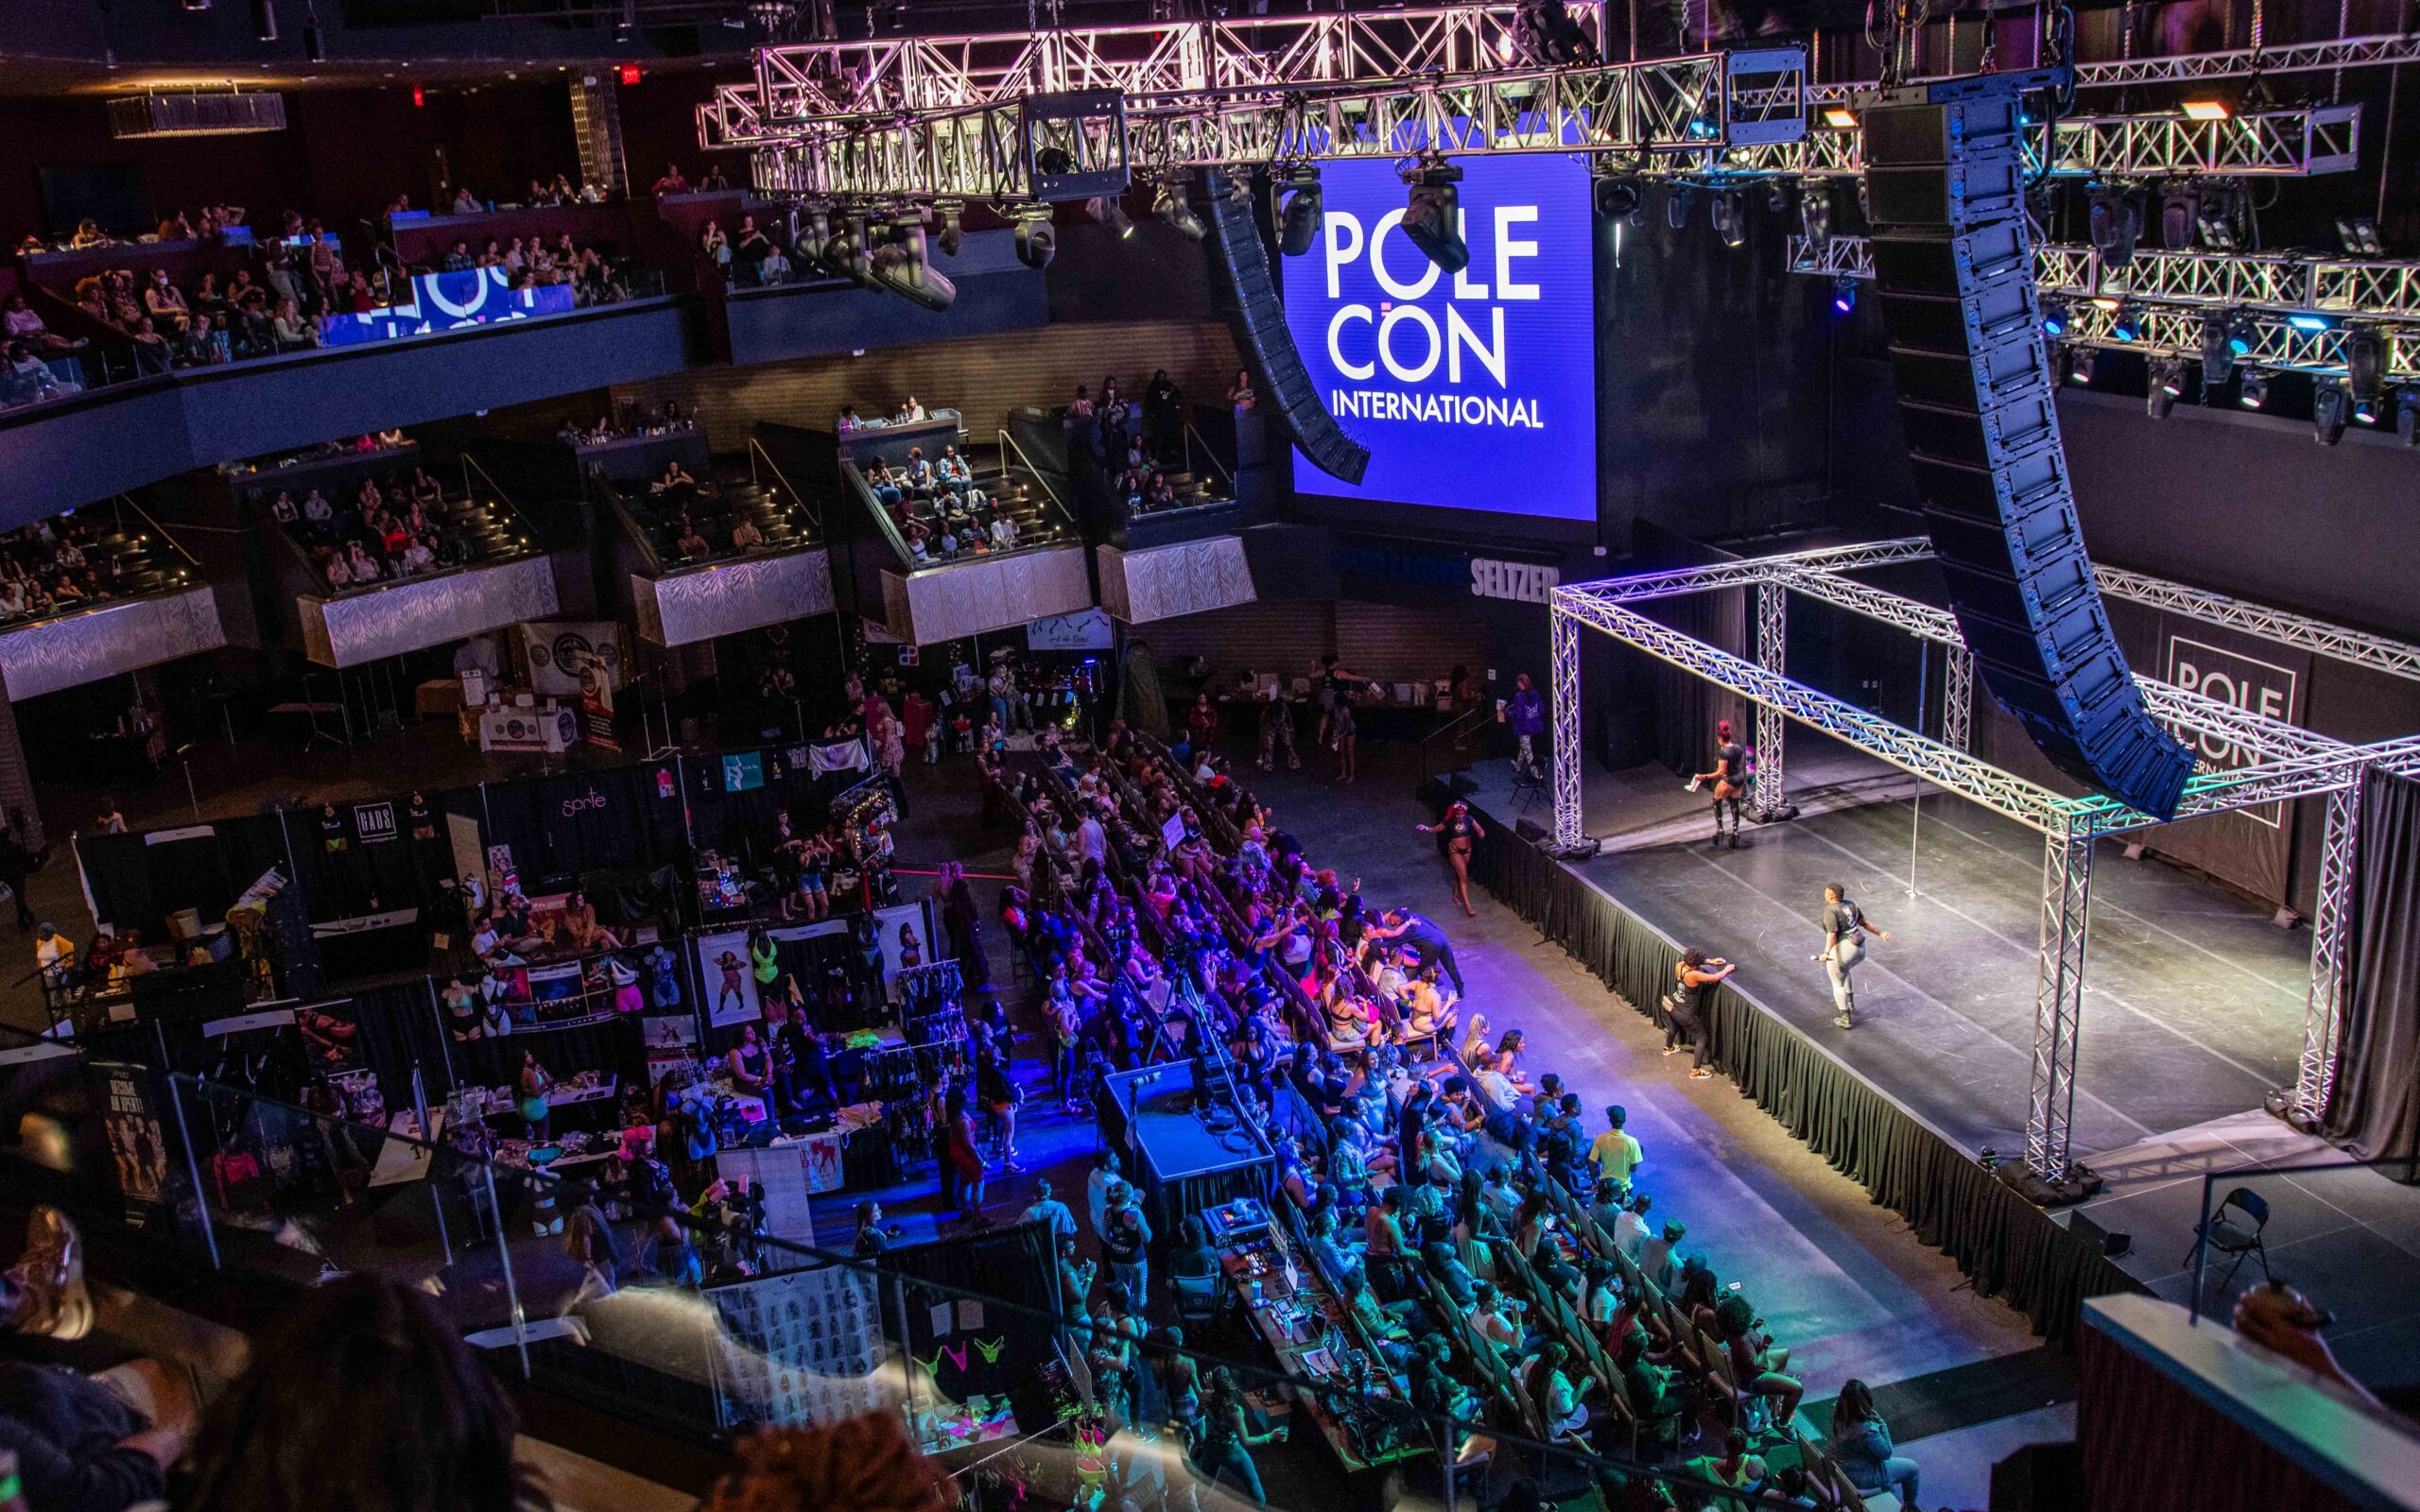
x,y
2288,761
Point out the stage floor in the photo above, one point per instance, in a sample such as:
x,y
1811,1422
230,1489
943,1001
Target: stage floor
x,y
2193,998
2194,1011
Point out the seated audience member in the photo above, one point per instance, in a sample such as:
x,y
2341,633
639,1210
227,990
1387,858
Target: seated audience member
x,y
457,258
865,1464
772,268
166,303
83,1443
672,183
1861,1444
745,536
22,323
152,352
364,1396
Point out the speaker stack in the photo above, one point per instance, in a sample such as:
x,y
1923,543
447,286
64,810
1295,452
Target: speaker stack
x,y
1248,291
1945,184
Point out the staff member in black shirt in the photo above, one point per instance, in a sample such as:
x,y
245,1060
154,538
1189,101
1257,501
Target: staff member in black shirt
x,y
1844,932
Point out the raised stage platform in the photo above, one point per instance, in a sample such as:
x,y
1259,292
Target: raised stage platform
x,y
2194,1011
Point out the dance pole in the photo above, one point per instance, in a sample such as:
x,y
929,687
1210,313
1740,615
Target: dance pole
x,y
1917,807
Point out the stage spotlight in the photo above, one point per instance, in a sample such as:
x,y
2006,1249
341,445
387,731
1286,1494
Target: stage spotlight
x,y
2407,415
2256,389
2116,222
2126,323
2214,217
1035,239
903,264
2206,110
953,235
1815,214
2178,214
2330,407
1298,222
2055,316
2226,335
2366,412
852,253
1729,214
1619,200
1105,209
2167,387
814,229
1777,198
1843,294
2081,362
1677,206
2365,363
2360,235
1432,215
1170,205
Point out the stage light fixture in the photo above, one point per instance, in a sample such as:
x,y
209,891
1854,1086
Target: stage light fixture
x,y
2226,335
1677,206
1840,117
2126,323
1298,222
849,254
2055,316
1815,214
2214,217
2256,389
2366,412
1843,294
1106,210
904,266
2206,110
2359,236
1619,200
2179,211
2080,361
1777,198
1432,215
2365,363
2305,321
2330,405
2167,387
265,20
1035,238
1169,205
1729,213
2116,219
2407,415
953,234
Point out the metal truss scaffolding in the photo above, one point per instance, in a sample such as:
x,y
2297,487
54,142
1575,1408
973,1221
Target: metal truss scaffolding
x,y
2286,142
2295,313
2287,762
2183,68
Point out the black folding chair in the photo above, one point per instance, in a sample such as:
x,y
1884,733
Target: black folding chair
x,y
2238,1236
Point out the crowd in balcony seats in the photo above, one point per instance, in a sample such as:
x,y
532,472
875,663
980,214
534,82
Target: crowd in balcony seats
x,y
596,274
952,506
91,557
380,531
1138,443
688,519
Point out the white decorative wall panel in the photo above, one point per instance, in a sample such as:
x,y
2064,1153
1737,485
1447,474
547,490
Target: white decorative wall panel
x,y
696,606
1162,582
108,641
405,616
988,593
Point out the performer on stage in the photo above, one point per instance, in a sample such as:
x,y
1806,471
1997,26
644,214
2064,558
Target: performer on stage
x,y
1844,932
1730,779
1455,833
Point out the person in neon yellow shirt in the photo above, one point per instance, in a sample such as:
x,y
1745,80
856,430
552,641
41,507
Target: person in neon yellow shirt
x,y
1615,1153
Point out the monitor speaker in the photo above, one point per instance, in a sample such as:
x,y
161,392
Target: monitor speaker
x,y
2111,1242
1529,829
1248,292
1944,178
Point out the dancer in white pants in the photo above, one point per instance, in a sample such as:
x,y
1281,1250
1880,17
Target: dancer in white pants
x,y
1844,931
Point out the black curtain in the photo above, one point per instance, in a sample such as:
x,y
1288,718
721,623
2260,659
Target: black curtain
x,y
2007,1245
2375,1109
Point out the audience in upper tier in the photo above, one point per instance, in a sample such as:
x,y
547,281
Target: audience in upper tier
x,y
385,528
1140,445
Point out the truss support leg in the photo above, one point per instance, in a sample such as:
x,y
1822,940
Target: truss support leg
x,y
1958,701
2323,1010
1772,652
2058,1002
1565,634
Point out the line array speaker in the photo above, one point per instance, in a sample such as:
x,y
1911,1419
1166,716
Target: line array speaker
x,y
1946,181
1248,292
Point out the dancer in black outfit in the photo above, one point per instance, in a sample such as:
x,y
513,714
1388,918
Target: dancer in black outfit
x,y
1685,1006
1730,779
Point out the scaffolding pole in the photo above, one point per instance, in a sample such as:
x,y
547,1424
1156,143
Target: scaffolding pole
x,y
2058,1001
1772,652
2323,1008
1564,631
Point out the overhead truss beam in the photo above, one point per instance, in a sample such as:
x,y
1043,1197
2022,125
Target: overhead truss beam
x,y
2184,68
